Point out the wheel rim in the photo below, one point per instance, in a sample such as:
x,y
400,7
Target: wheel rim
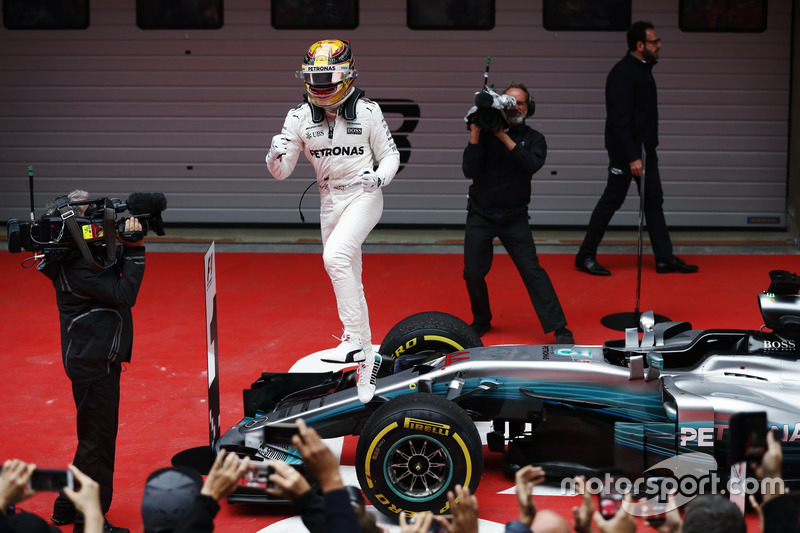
x,y
418,468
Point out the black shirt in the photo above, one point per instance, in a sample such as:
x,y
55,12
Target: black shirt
x,y
631,110
501,178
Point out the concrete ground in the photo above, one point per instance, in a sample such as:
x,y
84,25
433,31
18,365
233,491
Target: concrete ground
x,y
410,239
302,239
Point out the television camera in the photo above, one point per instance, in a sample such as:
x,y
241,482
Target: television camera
x,y
491,110
82,225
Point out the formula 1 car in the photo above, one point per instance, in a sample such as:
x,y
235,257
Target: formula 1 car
x,y
665,391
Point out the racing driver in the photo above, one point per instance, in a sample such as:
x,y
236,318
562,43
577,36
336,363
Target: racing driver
x,y
343,134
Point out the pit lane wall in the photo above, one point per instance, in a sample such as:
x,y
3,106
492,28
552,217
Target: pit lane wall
x,y
116,109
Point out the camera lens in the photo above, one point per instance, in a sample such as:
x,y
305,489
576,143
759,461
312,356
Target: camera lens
x,y
13,236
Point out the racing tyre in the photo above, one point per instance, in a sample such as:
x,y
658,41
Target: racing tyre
x,y
413,450
433,332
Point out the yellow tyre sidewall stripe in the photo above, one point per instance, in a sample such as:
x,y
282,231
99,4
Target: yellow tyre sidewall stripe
x,y
449,342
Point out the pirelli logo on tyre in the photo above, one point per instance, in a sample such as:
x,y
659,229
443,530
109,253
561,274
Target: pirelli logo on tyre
x,y
427,426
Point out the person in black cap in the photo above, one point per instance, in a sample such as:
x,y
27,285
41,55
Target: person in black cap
x,y
169,497
177,500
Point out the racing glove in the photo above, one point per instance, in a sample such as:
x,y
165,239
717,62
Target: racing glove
x,y
371,180
279,147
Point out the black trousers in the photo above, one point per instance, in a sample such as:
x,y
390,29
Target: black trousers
x,y
614,194
517,239
97,420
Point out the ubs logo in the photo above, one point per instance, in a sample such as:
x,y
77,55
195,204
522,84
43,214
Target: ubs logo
x,y
313,134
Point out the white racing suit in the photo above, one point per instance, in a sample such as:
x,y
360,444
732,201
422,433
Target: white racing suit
x,y
339,149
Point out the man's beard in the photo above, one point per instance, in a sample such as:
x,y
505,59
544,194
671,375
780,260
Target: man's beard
x,y
516,120
649,56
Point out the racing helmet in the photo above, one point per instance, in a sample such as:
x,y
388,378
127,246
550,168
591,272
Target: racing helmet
x,y
328,71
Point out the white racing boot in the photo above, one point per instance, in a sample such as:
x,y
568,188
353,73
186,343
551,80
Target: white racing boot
x,y
368,374
351,350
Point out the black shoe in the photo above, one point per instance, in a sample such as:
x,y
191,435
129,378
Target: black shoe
x,y
564,336
62,519
480,329
675,265
108,527
590,266
63,511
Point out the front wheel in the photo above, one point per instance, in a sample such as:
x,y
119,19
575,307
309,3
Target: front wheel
x,y
413,450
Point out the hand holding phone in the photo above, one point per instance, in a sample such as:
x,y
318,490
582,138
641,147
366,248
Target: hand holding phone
x,y
655,513
86,499
289,483
14,479
51,480
257,475
279,432
747,437
609,500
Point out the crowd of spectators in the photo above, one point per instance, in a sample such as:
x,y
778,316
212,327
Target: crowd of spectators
x,y
178,500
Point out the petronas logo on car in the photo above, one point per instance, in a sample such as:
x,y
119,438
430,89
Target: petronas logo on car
x,y
427,426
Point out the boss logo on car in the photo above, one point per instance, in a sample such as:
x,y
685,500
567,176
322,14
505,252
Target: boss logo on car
x,y
426,426
780,345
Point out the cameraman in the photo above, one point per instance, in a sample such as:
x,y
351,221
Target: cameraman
x,y
501,164
96,338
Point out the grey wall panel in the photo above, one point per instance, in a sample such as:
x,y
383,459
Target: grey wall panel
x,y
115,109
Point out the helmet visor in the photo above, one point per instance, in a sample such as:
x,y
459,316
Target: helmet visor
x,y
323,75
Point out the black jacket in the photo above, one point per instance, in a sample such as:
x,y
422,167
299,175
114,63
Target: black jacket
x,y
501,178
331,512
631,111
95,312
780,515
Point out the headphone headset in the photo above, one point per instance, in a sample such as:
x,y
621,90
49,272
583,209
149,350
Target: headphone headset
x,y
531,105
